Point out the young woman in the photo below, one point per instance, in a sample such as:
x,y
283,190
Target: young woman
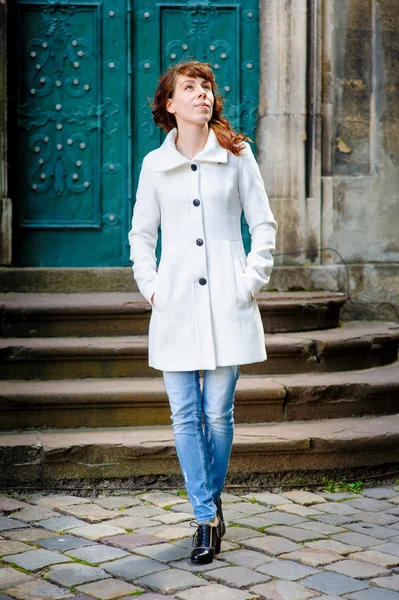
x,y
204,313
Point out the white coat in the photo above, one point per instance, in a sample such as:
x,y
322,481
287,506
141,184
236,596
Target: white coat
x,y
203,314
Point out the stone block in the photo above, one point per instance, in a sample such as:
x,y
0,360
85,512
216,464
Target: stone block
x,y
167,532
171,518
163,552
285,569
130,541
334,519
333,583
96,532
30,534
248,509
162,499
376,531
215,592
39,590
268,498
312,557
187,565
374,594
238,534
337,508
90,512
8,504
133,567
376,518
10,577
357,569
30,514
170,582
245,558
7,548
57,500
333,546
283,518
61,544
369,504
297,509
391,582
321,527
236,576
118,502
356,539
379,493
97,554
271,545
61,523
34,560
6,523
295,534
283,590
303,497
75,574
388,548
147,512
109,589
377,558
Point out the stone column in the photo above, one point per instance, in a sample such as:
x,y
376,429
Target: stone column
x,y
289,123
5,202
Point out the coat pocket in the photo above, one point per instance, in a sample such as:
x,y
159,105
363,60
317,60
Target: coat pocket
x,y
243,292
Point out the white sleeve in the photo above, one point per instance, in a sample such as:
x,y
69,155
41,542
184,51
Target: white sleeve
x,y
143,234
260,219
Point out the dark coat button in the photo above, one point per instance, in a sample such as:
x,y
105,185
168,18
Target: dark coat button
x,y
194,167
202,281
196,202
199,242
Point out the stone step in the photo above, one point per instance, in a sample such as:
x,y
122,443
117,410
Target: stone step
x,y
119,314
355,345
143,401
45,457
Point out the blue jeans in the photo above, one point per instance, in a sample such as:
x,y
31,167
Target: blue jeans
x,y
203,427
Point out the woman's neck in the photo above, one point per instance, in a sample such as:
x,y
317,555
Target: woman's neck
x,y
190,140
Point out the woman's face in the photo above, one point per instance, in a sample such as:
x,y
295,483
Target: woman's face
x,y
192,100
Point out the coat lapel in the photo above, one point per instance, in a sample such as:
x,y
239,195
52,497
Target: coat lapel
x,y
170,157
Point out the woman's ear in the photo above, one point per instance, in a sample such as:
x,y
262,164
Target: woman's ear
x,y
169,106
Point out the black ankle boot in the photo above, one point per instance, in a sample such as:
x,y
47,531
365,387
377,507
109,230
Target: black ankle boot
x,y
219,512
206,542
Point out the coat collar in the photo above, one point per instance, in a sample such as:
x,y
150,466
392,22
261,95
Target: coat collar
x,y
170,157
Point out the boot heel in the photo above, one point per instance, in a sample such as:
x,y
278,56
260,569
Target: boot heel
x,y
218,546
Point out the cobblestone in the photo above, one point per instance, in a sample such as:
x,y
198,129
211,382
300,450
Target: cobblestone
x,y
36,559
236,576
311,545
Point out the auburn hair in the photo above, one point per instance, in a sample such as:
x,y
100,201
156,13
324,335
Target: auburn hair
x,y
227,138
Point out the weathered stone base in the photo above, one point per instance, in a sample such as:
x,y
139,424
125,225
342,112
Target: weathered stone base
x,y
373,288
48,457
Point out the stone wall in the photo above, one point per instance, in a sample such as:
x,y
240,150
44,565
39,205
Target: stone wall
x,y
330,95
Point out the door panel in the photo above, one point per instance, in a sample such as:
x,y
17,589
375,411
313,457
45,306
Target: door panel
x,y
72,141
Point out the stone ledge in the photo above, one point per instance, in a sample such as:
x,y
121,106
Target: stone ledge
x,y
353,346
54,455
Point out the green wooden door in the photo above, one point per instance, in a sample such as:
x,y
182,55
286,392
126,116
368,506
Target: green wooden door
x,y
85,72
73,117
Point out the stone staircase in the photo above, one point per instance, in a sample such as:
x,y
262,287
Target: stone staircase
x,y
78,400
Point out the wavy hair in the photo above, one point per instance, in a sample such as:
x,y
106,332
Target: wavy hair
x,y
227,138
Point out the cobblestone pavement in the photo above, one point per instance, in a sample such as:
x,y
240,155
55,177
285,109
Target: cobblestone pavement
x,y
288,546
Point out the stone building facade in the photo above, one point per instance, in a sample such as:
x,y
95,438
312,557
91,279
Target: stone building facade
x,y
327,145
